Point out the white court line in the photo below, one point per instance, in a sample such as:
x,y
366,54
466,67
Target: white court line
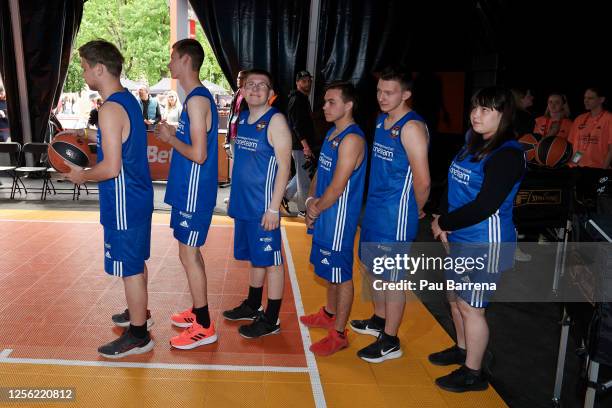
x,y
4,358
313,370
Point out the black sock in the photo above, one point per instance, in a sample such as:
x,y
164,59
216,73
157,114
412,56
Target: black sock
x,y
273,309
389,338
476,373
379,321
202,316
254,299
330,315
340,333
462,350
138,331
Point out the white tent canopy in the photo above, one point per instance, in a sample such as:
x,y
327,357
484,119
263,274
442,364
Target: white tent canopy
x,y
131,85
164,85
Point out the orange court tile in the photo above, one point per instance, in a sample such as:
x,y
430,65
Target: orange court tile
x,y
51,277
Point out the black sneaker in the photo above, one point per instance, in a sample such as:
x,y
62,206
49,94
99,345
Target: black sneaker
x,y
367,326
123,319
127,344
456,355
452,355
242,312
301,214
260,327
284,208
462,380
384,348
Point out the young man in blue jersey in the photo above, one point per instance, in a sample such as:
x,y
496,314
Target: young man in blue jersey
x,y
192,187
398,189
126,191
261,170
333,209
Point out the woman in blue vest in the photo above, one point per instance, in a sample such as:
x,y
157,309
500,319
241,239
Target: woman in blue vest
x,y
476,219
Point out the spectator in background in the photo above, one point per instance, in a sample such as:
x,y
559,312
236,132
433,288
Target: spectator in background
x,y
236,106
523,119
591,133
4,123
173,108
556,121
149,106
299,116
93,114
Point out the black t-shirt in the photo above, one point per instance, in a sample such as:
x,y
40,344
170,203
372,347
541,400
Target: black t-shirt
x,y
502,171
299,116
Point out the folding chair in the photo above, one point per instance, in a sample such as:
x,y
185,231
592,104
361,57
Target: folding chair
x,y
34,153
9,161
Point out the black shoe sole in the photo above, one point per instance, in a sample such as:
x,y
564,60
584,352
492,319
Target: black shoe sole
x,y
464,389
263,335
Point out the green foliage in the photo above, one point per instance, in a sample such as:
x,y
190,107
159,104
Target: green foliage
x,y
141,31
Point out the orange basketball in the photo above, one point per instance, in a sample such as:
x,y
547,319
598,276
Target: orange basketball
x,y
530,144
65,146
553,151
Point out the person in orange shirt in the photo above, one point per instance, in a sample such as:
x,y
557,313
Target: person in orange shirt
x,y
555,121
591,133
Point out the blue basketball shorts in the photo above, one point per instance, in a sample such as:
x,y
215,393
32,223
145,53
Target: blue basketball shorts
x,y
125,251
333,266
191,228
373,248
252,243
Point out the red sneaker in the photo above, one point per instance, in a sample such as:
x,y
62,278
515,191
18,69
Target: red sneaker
x,y
183,319
319,320
194,336
331,344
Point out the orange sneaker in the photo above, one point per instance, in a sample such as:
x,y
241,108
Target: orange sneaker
x,y
330,344
318,320
194,336
183,319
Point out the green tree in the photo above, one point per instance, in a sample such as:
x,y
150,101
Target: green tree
x,y
141,31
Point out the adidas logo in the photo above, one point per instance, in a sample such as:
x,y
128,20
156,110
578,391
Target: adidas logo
x,y
268,248
107,254
184,224
324,261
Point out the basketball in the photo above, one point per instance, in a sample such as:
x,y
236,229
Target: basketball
x,y
553,152
530,142
65,146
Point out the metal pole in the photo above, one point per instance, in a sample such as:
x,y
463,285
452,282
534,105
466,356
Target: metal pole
x,y
313,40
22,83
179,29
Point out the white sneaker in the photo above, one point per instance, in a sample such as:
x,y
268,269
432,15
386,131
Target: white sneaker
x,y
521,256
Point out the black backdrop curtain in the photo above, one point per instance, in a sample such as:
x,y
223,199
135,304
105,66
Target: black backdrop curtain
x,y
359,38
48,31
266,34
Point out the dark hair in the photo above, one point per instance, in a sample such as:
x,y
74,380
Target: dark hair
x,y
192,48
501,100
347,91
102,52
399,74
257,71
598,90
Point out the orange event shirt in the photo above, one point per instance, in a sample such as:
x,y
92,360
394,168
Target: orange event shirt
x,y
592,136
544,123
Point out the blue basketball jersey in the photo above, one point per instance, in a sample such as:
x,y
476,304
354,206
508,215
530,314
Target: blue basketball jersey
x,y
391,210
192,187
465,179
255,167
336,226
126,201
